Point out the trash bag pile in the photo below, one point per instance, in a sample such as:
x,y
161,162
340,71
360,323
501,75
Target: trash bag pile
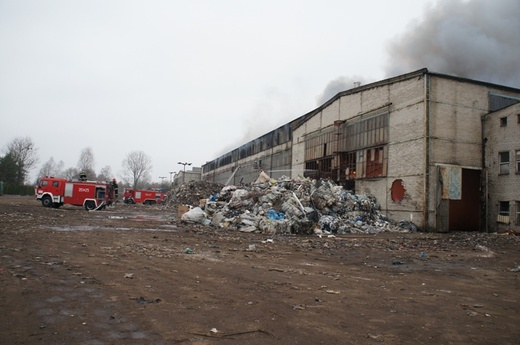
x,y
293,206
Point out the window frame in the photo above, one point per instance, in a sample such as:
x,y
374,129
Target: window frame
x,y
503,166
517,161
504,208
503,212
517,220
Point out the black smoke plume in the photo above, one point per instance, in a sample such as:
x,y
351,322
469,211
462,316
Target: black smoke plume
x,y
477,39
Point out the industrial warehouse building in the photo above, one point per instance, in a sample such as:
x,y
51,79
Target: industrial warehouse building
x,y
439,150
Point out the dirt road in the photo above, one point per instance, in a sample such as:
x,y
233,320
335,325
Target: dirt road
x,y
135,274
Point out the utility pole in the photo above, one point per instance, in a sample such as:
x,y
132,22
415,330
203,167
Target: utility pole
x,y
184,171
162,182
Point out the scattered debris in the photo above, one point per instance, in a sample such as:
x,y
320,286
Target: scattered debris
x,y
515,269
142,300
486,252
398,262
332,292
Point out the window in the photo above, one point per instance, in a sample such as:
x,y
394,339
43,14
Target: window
x,y
55,184
364,133
503,212
503,208
518,213
518,118
44,183
316,144
504,163
371,162
374,166
348,162
517,161
321,168
503,121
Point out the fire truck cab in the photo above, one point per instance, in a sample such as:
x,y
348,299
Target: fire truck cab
x,y
147,197
55,192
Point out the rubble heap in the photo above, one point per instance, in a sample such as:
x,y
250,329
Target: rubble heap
x,y
292,206
190,193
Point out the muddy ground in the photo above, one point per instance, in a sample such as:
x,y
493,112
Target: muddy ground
x,y
134,274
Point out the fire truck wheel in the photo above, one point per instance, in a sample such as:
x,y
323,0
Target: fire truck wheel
x,y
90,205
46,201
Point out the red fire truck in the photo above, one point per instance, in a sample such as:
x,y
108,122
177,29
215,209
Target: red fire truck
x,y
147,197
55,192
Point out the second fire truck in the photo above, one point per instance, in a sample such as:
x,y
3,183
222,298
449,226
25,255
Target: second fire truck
x,y
147,197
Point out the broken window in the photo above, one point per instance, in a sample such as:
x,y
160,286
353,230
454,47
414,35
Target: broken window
x,y
317,169
371,162
348,164
350,149
503,122
318,145
374,163
504,163
364,132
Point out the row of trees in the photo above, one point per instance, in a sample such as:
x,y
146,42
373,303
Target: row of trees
x,y
21,156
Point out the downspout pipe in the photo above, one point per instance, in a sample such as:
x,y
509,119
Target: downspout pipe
x,y
426,182
483,178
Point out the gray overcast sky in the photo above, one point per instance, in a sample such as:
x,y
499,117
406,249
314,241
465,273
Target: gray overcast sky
x,y
188,80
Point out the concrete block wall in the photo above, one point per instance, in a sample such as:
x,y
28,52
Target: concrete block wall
x,y
455,122
406,152
406,141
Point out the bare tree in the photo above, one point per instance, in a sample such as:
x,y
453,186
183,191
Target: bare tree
x,y
51,168
137,165
105,174
87,162
71,173
24,153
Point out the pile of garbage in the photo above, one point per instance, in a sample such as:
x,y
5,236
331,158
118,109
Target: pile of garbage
x,y
190,193
293,206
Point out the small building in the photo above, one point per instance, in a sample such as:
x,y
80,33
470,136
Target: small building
x,y
414,141
186,176
501,147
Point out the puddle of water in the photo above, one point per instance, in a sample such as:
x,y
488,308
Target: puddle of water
x,y
169,228
140,218
75,228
